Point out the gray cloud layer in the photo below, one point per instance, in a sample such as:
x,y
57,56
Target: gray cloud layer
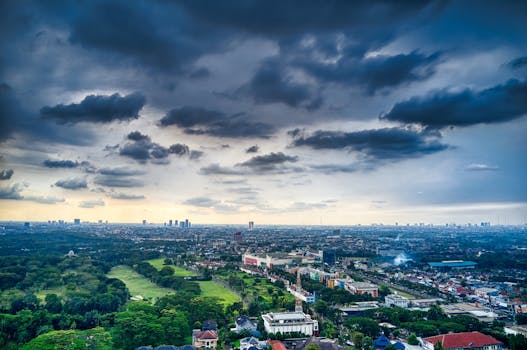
x,y
97,109
498,104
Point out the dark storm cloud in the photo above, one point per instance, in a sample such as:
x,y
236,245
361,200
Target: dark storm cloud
x,y
97,109
126,196
216,169
272,163
518,63
159,35
201,121
440,109
374,73
195,155
179,149
72,184
116,181
272,84
11,192
252,149
336,168
142,148
17,122
275,19
6,174
120,171
375,144
48,163
269,161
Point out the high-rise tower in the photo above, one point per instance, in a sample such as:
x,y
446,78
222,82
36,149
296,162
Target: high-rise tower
x,y
298,301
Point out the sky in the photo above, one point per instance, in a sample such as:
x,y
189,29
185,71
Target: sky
x,y
279,112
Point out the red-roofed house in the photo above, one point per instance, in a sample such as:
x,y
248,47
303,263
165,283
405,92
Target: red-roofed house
x,y
205,340
277,345
466,340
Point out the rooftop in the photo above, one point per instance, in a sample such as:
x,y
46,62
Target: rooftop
x,y
463,340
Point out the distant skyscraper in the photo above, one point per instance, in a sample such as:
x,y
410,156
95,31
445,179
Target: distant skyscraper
x,y
27,224
176,223
238,237
170,222
251,225
187,225
144,222
77,221
329,257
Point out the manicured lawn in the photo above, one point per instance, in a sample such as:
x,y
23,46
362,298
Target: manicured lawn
x,y
137,284
213,289
178,271
403,294
42,294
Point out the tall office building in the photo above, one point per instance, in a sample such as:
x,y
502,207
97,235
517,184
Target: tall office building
x,y
238,237
329,257
77,221
170,222
176,223
251,225
144,222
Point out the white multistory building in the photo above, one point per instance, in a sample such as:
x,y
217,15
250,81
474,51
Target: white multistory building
x,y
290,322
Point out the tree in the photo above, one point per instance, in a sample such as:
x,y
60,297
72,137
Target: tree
x,y
53,303
312,346
384,291
435,313
412,339
517,342
367,343
92,339
357,339
364,325
438,346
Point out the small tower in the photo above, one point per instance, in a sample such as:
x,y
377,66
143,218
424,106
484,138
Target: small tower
x,y
298,301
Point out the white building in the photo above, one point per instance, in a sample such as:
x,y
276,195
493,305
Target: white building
x,y
396,300
289,322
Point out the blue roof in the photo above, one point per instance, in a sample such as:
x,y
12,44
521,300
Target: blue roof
x,y
381,342
399,346
452,264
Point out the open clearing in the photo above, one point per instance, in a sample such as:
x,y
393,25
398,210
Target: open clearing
x,y
214,289
178,271
137,284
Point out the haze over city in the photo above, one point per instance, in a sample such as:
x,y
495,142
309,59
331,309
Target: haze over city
x,y
309,113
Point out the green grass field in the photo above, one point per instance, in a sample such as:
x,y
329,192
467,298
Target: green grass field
x,y
42,294
403,294
178,271
137,284
213,289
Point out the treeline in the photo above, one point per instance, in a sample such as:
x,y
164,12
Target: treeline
x,y
76,295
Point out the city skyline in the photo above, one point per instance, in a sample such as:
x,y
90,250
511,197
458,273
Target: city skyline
x,y
325,113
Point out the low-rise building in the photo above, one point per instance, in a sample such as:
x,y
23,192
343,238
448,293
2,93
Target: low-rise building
x,y
466,340
244,323
290,322
362,288
205,340
396,300
252,343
